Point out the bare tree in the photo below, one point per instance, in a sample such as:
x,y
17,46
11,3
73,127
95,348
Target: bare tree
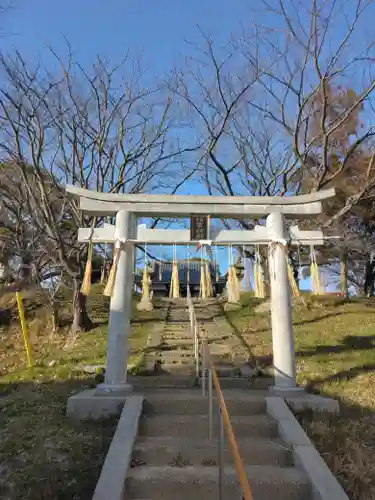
x,y
94,129
237,153
21,241
309,93
316,88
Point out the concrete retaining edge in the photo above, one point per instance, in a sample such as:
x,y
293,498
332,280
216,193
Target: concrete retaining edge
x,y
306,457
111,484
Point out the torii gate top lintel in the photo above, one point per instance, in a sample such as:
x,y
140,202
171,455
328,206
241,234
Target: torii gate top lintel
x,y
105,204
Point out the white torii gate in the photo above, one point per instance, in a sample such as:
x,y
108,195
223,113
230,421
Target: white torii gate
x,y
126,233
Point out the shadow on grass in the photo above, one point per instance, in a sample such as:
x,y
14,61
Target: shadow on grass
x,y
44,455
317,319
349,374
241,338
6,316
299,323
9,314
66,322
311,320
346,440
349,343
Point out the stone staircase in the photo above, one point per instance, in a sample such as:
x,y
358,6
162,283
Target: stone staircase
x,y
174,459
176,350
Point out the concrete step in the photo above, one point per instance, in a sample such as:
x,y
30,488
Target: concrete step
x,y
222,360
190,402
186,369
190,482
212,337
142,382
176,356
178,342
175,452
186,366
196,426
167,381
205,318
185,322
174,326
226,363
218,350
183,331
206,311
225,369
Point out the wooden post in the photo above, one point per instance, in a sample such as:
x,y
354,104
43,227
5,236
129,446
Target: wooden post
x,y
24,329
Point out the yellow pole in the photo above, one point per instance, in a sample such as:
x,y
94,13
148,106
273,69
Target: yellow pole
x,y
25,333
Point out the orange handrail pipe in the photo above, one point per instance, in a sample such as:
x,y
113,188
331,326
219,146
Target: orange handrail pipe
x,y
241,474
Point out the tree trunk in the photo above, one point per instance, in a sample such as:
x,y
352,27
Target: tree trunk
x,y
369,277
81,321
55,317
344,274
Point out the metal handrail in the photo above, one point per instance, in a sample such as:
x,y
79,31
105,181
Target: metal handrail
x,y
224,418
193,330
226,423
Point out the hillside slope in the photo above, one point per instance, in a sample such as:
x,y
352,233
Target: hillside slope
x,y
335,353
43,455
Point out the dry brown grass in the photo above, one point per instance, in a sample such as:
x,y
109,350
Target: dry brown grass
x,y
346,442
43,455
335,350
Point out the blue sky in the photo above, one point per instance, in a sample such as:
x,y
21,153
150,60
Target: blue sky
x,y
156,31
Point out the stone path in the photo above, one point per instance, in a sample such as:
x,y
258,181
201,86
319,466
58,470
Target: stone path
x,y
173,349
174,459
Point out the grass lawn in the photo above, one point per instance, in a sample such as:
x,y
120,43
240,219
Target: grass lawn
x,y
42,454
45,456
335,351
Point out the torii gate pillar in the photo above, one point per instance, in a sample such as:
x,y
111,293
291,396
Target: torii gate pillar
x,y
120,309
275,208
284,362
